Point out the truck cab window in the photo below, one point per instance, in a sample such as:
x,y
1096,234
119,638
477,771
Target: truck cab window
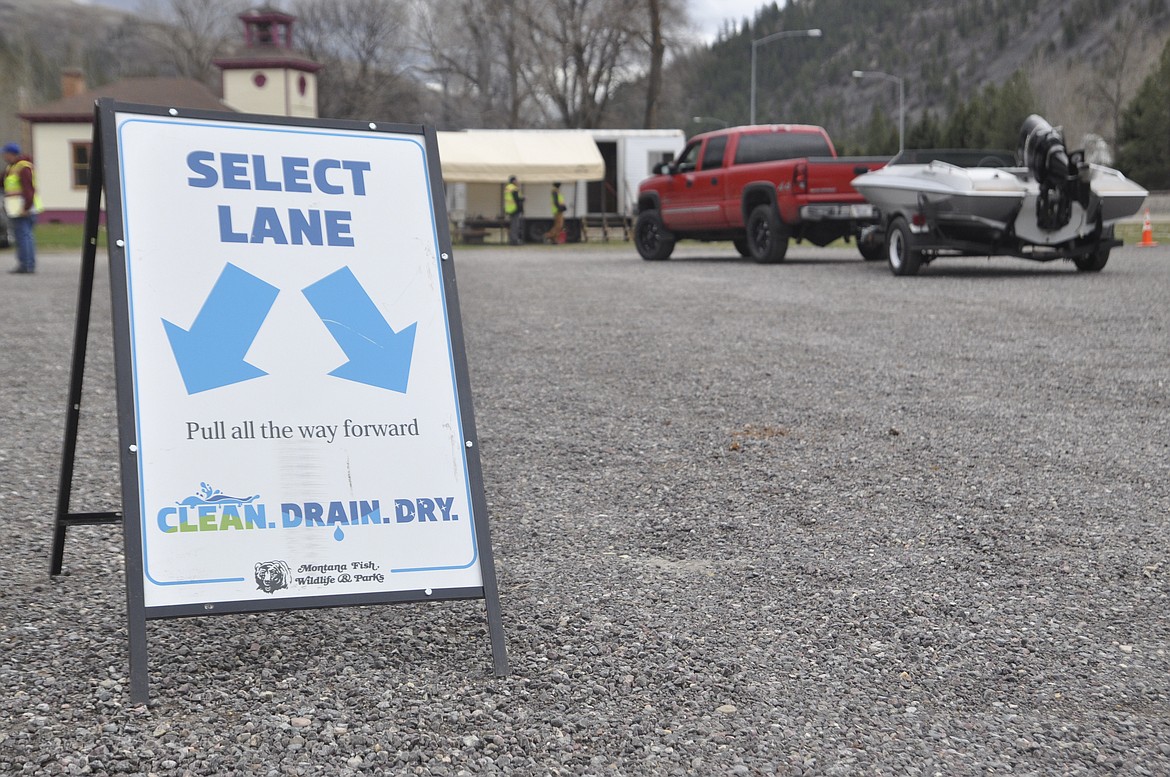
x,y
713,153
688,158
774,146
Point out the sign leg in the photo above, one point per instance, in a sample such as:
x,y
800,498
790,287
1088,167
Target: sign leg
x,y
80,340
491,598
139,672
136,617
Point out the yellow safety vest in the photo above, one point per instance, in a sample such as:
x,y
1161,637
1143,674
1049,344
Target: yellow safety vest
x,y
510,205
558,201
12,186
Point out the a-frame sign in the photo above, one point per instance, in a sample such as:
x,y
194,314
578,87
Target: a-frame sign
x,y
294,409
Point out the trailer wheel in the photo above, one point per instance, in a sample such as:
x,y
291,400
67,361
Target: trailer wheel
x,y
903,257
871,252
767,236
651,239
1094,262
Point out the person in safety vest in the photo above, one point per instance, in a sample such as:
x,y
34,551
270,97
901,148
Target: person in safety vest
x,y
558,214
514,210
22,204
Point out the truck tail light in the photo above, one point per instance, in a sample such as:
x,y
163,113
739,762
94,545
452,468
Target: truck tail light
x,y
918,219
800,177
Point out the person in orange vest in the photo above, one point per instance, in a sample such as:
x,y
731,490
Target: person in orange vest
x,y
514,210
558,214
22,204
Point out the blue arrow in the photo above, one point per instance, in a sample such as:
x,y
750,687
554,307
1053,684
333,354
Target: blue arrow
x,y
211,353
378,356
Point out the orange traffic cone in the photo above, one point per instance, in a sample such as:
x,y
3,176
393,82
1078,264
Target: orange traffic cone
x,y
1147,233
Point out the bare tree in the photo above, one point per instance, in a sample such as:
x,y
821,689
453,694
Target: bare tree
x,y
1116,81
657,46
364,47
515,63
584,48
194,33
512,24
478,53
663,19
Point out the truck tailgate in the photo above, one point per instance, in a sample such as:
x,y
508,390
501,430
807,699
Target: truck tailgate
x,y
829,193
829,179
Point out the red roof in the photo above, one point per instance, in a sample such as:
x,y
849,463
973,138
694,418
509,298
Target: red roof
x,y
170,92
256,57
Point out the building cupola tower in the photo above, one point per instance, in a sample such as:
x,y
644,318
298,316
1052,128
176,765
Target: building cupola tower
x,y
266,74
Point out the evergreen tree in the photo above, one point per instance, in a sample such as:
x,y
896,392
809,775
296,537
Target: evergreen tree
x,y
924,133
1144,140
992,118
881,135
1013,102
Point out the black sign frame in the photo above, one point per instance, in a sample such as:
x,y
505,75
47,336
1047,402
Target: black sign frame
x,y
105,179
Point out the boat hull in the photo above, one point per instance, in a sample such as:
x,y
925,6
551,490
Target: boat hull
x,y
988,196
1002,201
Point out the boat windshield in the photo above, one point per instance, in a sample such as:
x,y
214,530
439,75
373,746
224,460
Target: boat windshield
x,y
959,157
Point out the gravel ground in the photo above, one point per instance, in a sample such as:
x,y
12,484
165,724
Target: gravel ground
x,y
796,519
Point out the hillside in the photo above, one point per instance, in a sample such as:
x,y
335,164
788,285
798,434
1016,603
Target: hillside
x,y
1082,59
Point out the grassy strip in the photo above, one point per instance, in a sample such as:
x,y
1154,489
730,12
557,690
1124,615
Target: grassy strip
x,y
64,237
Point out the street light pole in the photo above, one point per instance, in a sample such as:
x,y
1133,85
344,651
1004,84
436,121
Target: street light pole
x,y
701,119
815,33
901,100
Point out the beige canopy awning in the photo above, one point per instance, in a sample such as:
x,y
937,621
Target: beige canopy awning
x,y
533,156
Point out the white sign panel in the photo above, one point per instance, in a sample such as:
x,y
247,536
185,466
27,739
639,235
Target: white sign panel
x,y
295,394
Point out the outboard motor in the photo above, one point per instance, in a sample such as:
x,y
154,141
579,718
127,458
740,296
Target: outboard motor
x,y
1063,176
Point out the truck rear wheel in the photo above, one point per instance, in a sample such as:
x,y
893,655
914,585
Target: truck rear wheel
x,y
903,257
871,245
767,236
653,241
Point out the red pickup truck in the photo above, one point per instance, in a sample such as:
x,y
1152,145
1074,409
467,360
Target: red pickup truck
x,y
757,186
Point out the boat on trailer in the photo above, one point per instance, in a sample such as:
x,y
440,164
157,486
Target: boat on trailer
x,y
1042,202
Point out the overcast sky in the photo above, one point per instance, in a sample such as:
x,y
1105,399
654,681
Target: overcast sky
x,y
707,15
